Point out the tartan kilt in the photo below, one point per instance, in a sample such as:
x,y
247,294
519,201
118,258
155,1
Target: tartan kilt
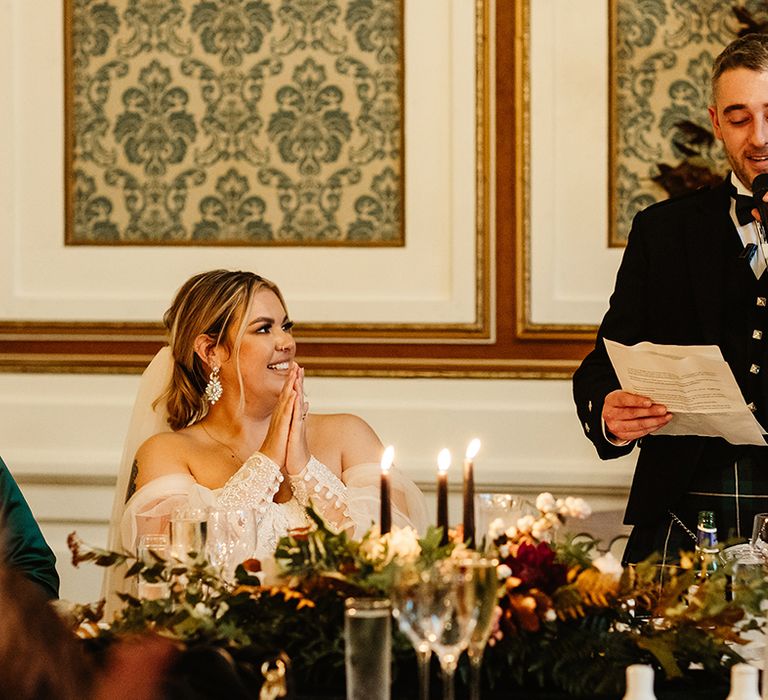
x,y
735,493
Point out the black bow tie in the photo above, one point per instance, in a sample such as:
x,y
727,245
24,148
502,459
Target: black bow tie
x,y
744,207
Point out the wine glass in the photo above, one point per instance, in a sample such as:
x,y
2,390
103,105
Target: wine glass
x,y
485,580
448,613
749,559
759,541
406,598
501,510
230,538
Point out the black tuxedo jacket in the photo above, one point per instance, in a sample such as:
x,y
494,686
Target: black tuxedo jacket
x,y
670,288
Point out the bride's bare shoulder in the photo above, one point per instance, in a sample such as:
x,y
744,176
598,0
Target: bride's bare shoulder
x,y
351,435
164,453
163,442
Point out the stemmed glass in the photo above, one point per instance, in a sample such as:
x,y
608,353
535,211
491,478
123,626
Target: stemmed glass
x,y
498,509
406,608
759,541
448,613
231,538
188,526
485,580
749,559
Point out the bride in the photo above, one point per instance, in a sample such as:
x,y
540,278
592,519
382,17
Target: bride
x,y
226,423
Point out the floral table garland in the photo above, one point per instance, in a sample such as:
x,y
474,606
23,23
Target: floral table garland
x,y
568,620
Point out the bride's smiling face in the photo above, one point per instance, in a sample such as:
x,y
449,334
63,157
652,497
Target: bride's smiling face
x,y
267,347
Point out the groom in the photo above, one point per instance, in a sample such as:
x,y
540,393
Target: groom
x,y
689,276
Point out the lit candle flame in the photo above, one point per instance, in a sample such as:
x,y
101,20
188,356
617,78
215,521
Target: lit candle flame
x,y
444,460
387,458
473,448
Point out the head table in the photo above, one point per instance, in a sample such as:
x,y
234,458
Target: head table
x,y
567,621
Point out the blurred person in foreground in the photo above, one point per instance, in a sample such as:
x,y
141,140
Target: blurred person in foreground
x,y
40,656
22,545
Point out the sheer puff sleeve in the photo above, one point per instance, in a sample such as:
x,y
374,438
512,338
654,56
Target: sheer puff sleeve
x,y
364,503
353,501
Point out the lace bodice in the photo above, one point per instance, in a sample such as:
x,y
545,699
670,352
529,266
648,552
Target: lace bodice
x,y
255,484
350,503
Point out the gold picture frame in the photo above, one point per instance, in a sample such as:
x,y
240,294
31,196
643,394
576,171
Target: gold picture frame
x,y
500,342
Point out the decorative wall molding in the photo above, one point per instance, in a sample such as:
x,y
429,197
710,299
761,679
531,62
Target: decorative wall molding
x,y
491,334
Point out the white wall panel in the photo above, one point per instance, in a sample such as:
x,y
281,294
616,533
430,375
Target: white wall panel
x,y
44,279
572,269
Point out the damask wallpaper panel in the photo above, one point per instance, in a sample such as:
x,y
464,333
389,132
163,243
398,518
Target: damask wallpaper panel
x,y
661,58
234,122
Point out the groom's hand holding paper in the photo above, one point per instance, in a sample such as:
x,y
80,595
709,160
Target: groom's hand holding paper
x,y
630,417
694,383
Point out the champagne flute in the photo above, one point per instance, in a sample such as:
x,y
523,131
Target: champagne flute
x,y
406,608
485,579
449,611
231,538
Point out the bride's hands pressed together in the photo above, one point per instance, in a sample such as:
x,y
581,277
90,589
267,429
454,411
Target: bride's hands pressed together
x,y
297,453
275,445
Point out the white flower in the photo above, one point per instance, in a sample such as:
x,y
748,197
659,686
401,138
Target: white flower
x,y
202,610
577,507
545,502
511,532
503,571
403,545
550,615
222,609
496,529
461,551
525,524
373,548
608,564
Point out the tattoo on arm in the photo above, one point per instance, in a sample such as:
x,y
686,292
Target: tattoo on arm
x,y
132,480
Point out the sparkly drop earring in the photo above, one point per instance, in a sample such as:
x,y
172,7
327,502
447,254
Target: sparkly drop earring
x,y
213,390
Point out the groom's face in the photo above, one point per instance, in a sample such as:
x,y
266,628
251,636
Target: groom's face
x,y
740,120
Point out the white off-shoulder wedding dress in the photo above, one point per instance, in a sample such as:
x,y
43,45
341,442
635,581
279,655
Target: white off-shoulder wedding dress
x,y
349,502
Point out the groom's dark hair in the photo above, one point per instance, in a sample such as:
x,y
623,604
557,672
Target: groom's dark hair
x,y
749,51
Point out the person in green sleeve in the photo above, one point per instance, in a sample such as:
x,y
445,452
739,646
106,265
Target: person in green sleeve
x,y
22,545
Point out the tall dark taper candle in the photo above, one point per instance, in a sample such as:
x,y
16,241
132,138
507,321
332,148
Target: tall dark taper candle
x,y
469,492
385,521
443,462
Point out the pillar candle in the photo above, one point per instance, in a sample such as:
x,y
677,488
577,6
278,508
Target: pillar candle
x,y
385,521
469,492
443,462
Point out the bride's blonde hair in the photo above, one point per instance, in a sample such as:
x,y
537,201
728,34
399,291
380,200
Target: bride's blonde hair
x,y
208,303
